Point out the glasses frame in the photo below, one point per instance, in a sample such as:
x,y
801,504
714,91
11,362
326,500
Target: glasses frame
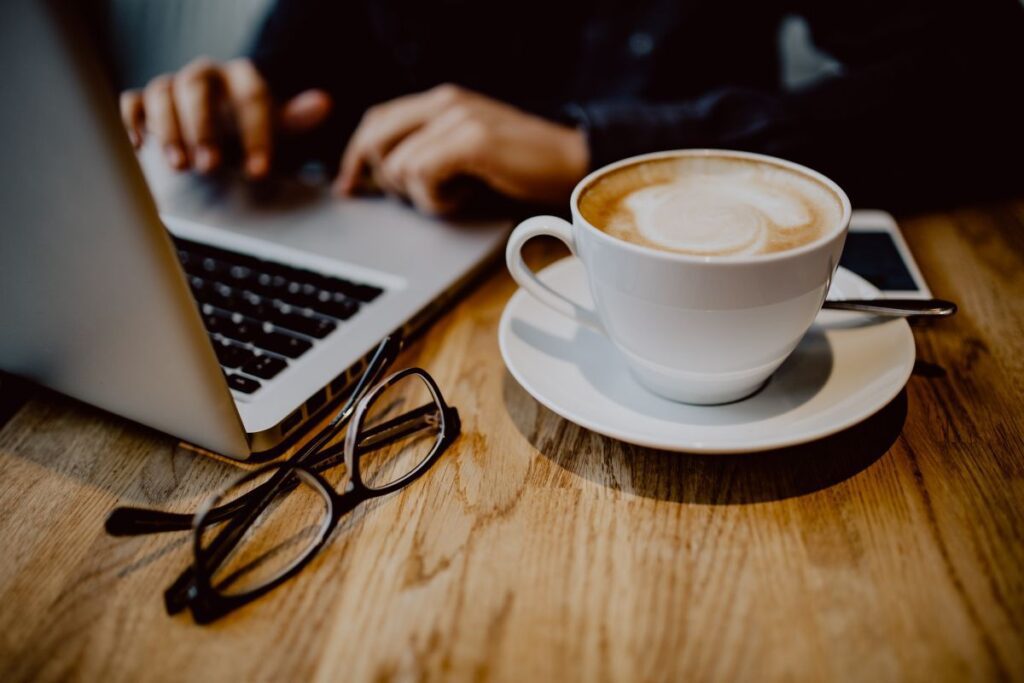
x,y
206,602
134,521
314,456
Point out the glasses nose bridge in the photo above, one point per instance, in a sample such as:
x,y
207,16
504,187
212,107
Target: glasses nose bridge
x,y
434,415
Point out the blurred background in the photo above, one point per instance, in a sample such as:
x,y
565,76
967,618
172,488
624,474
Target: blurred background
x,y
150,37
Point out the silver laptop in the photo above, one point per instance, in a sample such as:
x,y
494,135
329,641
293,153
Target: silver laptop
x,y
227,318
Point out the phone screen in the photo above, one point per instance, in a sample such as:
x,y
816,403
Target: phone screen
x,y
873,255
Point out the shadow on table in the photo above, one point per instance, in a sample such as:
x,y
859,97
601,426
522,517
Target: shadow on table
x,y
706,479
104,452
799,379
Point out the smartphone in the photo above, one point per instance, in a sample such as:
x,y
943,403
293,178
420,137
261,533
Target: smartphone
x,y
875,250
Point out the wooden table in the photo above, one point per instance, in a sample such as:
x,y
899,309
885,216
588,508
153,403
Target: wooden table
x,y
536,551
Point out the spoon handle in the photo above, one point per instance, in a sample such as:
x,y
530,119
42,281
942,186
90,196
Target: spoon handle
x,y
896,307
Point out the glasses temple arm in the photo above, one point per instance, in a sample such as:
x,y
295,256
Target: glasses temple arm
x,y
133,521
415,420
177,595
383,358
226,540
136,521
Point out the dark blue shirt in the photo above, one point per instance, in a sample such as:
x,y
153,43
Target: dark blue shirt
x,y
925,110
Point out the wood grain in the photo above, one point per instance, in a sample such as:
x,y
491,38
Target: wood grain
x,y
536,550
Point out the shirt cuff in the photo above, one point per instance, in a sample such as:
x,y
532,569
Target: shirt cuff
x,y
616,130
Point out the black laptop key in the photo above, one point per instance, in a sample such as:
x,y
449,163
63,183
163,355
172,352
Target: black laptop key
x,y
280,342
233,257
275,307
310,325
190,263
185,258
240,276
269,284
213,293
302,294
231,355
246,385
198,287
222,296
242,329
301,320
367,293
342,286
253,305
233,326
265,366
351,289
198,251
216,323
335,304
219,295
211,268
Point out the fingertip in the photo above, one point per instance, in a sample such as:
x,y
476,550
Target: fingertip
x,y
315,101
257,165
432,206
343,182
322,96
346,185
207,158
176,156
306,110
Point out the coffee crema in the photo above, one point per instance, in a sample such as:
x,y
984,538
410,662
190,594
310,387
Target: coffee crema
x,y
711,205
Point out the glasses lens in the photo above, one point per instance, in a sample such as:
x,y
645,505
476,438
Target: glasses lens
x,y
286,516
400,429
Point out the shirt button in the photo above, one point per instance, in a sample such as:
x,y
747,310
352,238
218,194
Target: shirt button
x,y
641,44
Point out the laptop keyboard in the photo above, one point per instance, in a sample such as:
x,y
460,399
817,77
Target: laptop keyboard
x,y
261,315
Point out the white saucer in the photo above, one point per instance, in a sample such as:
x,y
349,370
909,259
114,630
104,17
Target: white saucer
x,y
847,367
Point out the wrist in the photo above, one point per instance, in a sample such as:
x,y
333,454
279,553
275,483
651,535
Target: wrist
x,y
575,154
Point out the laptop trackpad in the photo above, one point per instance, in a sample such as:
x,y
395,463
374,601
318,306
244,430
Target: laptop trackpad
x,y
374,232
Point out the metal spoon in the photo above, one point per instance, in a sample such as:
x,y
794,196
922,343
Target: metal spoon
x,y
902,308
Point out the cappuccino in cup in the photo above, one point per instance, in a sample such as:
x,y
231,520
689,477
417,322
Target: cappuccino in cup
x,y
706,267
711,206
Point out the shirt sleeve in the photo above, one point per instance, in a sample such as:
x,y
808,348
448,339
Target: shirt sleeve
x,y
322,44
312,43
923,107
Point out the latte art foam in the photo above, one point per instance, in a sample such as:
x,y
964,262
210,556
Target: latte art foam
x,y
711,206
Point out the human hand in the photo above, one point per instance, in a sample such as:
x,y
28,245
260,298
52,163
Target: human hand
x,y
414,145
192,113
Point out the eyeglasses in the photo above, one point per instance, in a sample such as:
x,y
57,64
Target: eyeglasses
x,y
263,529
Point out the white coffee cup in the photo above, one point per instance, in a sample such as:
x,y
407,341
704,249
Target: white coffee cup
x,y
696,329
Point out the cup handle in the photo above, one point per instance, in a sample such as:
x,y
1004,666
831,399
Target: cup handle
x,y
562,230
